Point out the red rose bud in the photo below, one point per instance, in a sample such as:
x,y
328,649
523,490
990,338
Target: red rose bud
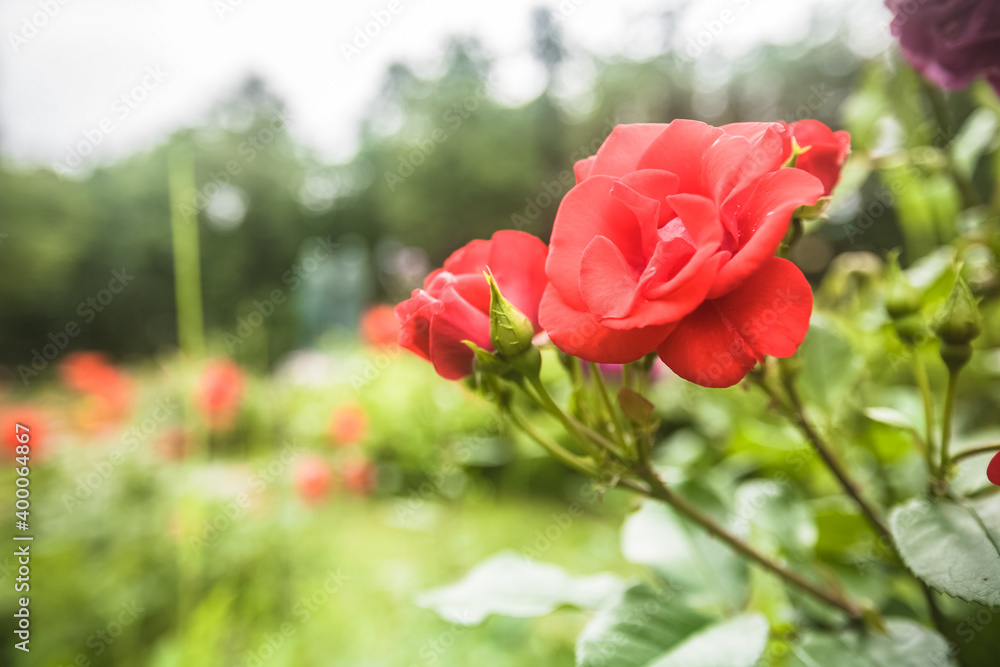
x,y
667,244
993,469
454,305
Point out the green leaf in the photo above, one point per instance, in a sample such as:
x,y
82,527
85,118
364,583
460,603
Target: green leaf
x,y
638,627
735,643
509,584
774,517
635,406
952,547
908,644
891,417
702,567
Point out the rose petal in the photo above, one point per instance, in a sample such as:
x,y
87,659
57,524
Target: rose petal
x,y
763,222
580,334
716,345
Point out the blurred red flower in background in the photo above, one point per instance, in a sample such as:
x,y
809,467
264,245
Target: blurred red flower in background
x,y
349,424
313,478
379,326
28,416
107,390
359,476
220,393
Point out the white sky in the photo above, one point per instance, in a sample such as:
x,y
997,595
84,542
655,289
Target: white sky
x,y
61,75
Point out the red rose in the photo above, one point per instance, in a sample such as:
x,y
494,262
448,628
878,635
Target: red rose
x,y
455,302
828,151
667,243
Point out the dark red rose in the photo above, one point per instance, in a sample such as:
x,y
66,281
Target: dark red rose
x,y
667,243
454,304
950,41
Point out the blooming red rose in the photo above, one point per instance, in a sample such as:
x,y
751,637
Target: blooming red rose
x,y
220,393
950,41
454,304
667,243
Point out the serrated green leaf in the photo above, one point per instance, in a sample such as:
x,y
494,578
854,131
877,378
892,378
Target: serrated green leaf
x,y
738,642
953,548
640,626
509,584
908,644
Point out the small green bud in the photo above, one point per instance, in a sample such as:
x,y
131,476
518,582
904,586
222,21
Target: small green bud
x,y
901,298
510,330
911,329
958,322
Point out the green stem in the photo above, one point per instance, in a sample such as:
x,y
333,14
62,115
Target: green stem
x,y
798,415
949,409
602,391
584,435
657,489
973,451
558,452
187,260
920,374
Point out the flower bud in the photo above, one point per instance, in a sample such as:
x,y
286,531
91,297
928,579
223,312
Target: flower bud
x,y
958,321
510,330
901,298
